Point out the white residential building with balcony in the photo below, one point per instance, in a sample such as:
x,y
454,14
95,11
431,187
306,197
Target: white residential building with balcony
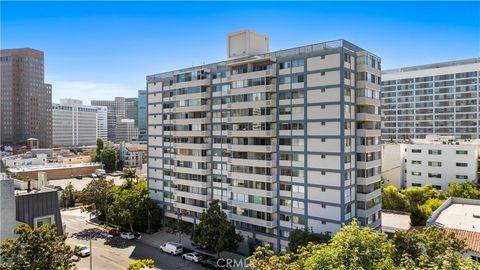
x,y
435,160
284,140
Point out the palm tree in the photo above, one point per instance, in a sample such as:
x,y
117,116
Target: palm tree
x,y
129,174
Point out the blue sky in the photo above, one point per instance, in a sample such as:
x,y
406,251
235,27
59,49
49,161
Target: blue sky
x,y
98,50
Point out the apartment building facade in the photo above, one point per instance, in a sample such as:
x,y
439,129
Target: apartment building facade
x,y
26,100
284,140
435,160
119,108
75,124
142,115
439,99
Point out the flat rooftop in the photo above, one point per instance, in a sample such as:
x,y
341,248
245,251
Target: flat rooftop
x,y
51,166
457,213
395,221
433,66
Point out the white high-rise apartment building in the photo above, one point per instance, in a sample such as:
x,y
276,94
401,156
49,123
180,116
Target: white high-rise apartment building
x,y
75,124
439,99
286,139
435,160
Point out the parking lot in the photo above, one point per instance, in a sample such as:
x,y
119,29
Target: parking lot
x,y
114,253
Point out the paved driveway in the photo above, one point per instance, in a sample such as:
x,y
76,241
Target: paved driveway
x,y
113,252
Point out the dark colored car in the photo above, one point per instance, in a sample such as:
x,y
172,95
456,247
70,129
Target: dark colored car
x,y
214,263
114,232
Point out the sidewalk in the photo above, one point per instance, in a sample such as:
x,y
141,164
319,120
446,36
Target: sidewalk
x,y
157,239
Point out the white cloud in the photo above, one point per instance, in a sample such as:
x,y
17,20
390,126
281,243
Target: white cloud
x,y
87,91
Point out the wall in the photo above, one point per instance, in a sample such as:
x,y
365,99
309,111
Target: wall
x,y
63,172
393,165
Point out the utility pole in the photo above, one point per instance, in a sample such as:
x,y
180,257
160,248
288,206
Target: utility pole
x,y
91,253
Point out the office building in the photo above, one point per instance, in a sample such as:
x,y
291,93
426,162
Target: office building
x,y
435,160
286,139
126,131
26,100
439,99
118,109
102,122
75,124
142,115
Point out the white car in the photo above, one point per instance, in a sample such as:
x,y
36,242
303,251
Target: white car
x,y
127,235
192,256
82,250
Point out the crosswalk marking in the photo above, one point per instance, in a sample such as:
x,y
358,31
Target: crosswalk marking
x,y
74,220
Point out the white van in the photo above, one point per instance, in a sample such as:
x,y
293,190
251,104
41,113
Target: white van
x,y
172,248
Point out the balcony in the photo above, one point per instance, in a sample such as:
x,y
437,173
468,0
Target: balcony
x,y
250,176
251,148
250,162
189,121
190,84
251,104
254,221
368,117
251,191
190,145
251,119
189,96
368,196
368,180
368,101
251,133
252,75
191,183
252,206
251,89
199,108
368,164
189,207
190,133
368,132
190,158
368,148
200,197
190,170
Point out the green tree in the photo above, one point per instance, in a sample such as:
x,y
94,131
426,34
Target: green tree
x,y
97,196
68,197
421,213
99,150
393,199
355,248
300,238
40,248
109,158
129,174
141,265
215,231
425,246
130,205
364,248
466,190
178,226
417,196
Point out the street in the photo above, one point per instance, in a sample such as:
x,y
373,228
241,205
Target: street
x,y
113,252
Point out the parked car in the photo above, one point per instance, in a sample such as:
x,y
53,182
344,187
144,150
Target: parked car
x,y
192,256
75,258
172,248
82,250
114,232
127,235
79,177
